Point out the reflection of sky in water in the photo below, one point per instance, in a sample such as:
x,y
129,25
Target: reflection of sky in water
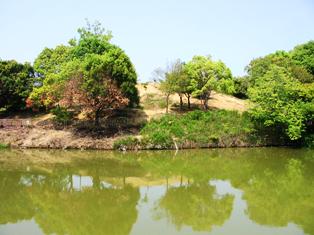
x,y
81,182
23,227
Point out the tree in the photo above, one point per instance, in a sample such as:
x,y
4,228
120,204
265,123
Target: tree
x,y
172,80
50,61
92,88
181,83
241,85
304,56
167,85
207,75
282,100
16,83
87,62
260,66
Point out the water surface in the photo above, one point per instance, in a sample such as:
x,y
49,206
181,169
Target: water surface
x,y
217,191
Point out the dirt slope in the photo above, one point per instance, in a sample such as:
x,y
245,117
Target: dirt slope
x,y
150,94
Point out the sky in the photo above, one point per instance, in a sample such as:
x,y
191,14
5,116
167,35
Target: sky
x,y
155,32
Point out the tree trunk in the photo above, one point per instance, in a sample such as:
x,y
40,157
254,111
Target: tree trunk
x,y
189,101
167,103
97,117
206,103
205,99
181,102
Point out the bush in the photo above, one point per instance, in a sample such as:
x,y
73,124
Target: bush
x,y
62,115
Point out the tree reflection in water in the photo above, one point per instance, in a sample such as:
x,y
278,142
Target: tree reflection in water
x,y
195,205
277,186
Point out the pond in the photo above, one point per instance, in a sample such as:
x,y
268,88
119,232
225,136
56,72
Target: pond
x,y
214,191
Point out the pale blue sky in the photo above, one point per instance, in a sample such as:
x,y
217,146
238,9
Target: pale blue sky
x,y
155,32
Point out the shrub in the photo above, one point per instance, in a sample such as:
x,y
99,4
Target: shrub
x,y
62,115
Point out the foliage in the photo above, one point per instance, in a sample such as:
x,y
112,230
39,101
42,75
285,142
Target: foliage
x,y
303,55
62,115
198,128
179,81
50,61
241,85
282,87
92,89
260,66
207,75
16,83
90,61
282,101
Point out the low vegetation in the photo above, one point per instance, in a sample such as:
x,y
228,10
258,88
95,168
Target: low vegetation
x,y
218,128
3,146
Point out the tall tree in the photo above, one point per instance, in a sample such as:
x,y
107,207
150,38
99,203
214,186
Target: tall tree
x,y
92,88
207,75
283,101
99,63
16,83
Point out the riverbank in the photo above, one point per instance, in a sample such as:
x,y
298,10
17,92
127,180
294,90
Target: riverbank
x,y
52,139
123,131
196,129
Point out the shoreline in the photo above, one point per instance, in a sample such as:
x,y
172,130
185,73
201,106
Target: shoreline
x,y
36,138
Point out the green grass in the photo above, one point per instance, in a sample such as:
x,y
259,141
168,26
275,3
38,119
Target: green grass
x,y
3,146
219,128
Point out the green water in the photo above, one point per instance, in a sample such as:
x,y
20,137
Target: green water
x,y
226,191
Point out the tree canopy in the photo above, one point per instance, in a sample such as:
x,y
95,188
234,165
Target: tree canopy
x,y
95,64
16,83
207,75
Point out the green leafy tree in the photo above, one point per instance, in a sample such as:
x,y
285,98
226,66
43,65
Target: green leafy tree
x,y
260,66
207,75
84,58
50,61
16,83
241,85
282,100
181,82
167,79
304,55
92,88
